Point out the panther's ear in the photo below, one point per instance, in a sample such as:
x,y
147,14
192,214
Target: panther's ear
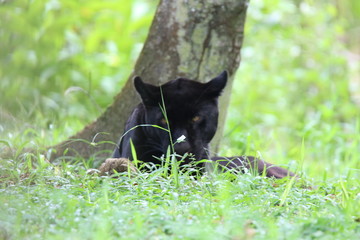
x,y
215,86
146,91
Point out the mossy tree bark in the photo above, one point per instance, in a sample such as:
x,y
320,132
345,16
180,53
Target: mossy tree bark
x,y
196,39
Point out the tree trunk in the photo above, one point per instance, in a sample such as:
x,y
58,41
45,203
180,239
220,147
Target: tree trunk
x,y
196,39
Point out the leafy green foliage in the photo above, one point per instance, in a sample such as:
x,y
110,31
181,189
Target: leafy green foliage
x,y
65,60
61,62
293,86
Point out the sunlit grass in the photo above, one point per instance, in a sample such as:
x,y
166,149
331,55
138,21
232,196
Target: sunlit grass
x,y
40,199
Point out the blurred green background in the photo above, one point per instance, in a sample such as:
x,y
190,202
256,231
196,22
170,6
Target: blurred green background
x,y
295,100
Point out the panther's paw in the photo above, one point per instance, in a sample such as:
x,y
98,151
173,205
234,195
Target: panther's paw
x,y
117,165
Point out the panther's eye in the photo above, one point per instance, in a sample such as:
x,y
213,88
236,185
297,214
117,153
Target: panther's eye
x,y
163,121
196,119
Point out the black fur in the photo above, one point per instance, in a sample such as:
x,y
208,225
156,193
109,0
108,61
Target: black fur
x,y
185,107
240,163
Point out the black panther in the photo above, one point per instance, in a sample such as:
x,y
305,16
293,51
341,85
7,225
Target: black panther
x,y
181,109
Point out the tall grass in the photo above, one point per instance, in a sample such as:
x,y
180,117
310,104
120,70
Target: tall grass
x,y
64,202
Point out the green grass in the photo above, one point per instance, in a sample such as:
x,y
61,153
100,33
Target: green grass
x,y
63,202
292,105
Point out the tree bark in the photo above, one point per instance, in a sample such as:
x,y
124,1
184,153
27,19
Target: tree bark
x,y
196,39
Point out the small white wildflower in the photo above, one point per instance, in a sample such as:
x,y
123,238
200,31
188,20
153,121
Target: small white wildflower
x,y
181,139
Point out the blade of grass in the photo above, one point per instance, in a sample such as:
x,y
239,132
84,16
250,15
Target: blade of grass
x,y
287,191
